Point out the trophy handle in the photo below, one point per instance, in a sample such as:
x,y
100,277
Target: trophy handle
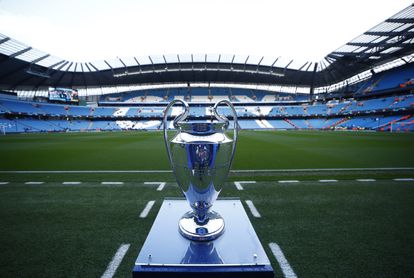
x,y
235,123
180,117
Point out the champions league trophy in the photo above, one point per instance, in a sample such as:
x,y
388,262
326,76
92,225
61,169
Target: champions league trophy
x,y
201,155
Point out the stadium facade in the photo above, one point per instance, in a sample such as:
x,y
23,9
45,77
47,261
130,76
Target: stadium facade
x,y
365,84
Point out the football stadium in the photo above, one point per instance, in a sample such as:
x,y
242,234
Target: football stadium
x,y
324,164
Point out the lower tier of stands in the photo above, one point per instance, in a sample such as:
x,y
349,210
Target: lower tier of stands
x,y
378,123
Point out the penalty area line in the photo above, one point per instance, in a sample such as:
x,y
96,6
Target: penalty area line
x,y
253,209
239,186
281,259
147,209
366,180
404,179
160,184
116,261
34,182
288,181
71,182
112,183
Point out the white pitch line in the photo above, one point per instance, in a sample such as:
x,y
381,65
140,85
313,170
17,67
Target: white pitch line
x,y
239,186
116,261
253,209
328,180
366,180
161,184
34,182
232,171
4,182
404,179
147,209
288,181
71,182
281,259
112,182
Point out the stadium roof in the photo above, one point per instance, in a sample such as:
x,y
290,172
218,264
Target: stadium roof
x,y
23,67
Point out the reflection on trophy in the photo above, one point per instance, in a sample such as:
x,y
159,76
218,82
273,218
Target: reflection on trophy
x,y
201,154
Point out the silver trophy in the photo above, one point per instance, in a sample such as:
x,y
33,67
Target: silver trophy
x,y
201,154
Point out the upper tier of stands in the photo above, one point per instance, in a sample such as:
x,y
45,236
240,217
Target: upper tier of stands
x,y
347,107
394,79
204,95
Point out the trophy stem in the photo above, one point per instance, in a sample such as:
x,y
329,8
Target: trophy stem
x,y
191,228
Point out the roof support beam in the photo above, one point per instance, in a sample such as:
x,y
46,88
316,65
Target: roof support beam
x,y
20,52
4,40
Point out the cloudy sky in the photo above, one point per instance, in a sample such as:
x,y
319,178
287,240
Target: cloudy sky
x,y
89,30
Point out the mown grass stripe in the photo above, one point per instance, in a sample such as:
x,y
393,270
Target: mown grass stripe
x,y
281,259
147,209
116,261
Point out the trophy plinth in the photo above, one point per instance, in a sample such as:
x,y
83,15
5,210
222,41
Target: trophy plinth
x,y
236,253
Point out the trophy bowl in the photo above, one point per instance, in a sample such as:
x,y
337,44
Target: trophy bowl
x,y
201,154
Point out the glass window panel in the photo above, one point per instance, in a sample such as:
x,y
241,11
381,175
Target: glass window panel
x,y
268,61
185,58
129,61
226,58
115,63
391,50
144,60
10,47
254,60
199,58
403,27
157,59
49,61
212,58
240,59
364,38
385,27
31,55
282,62
171,58
100,65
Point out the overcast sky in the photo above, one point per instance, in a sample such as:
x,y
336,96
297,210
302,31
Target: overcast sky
x,y
89,30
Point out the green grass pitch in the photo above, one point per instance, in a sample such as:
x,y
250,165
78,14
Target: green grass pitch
x,y
340,229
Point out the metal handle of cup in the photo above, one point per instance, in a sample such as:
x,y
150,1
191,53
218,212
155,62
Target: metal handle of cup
x,y
235,123
180,117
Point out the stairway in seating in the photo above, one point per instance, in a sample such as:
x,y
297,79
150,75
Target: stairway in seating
x,y
334,125
308,124
339,122
90,125
388,125
290,122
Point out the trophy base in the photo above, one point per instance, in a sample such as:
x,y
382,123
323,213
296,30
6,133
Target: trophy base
x,y
236,253
212,229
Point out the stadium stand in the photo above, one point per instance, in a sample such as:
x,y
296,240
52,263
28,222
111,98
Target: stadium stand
x,y
365,84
